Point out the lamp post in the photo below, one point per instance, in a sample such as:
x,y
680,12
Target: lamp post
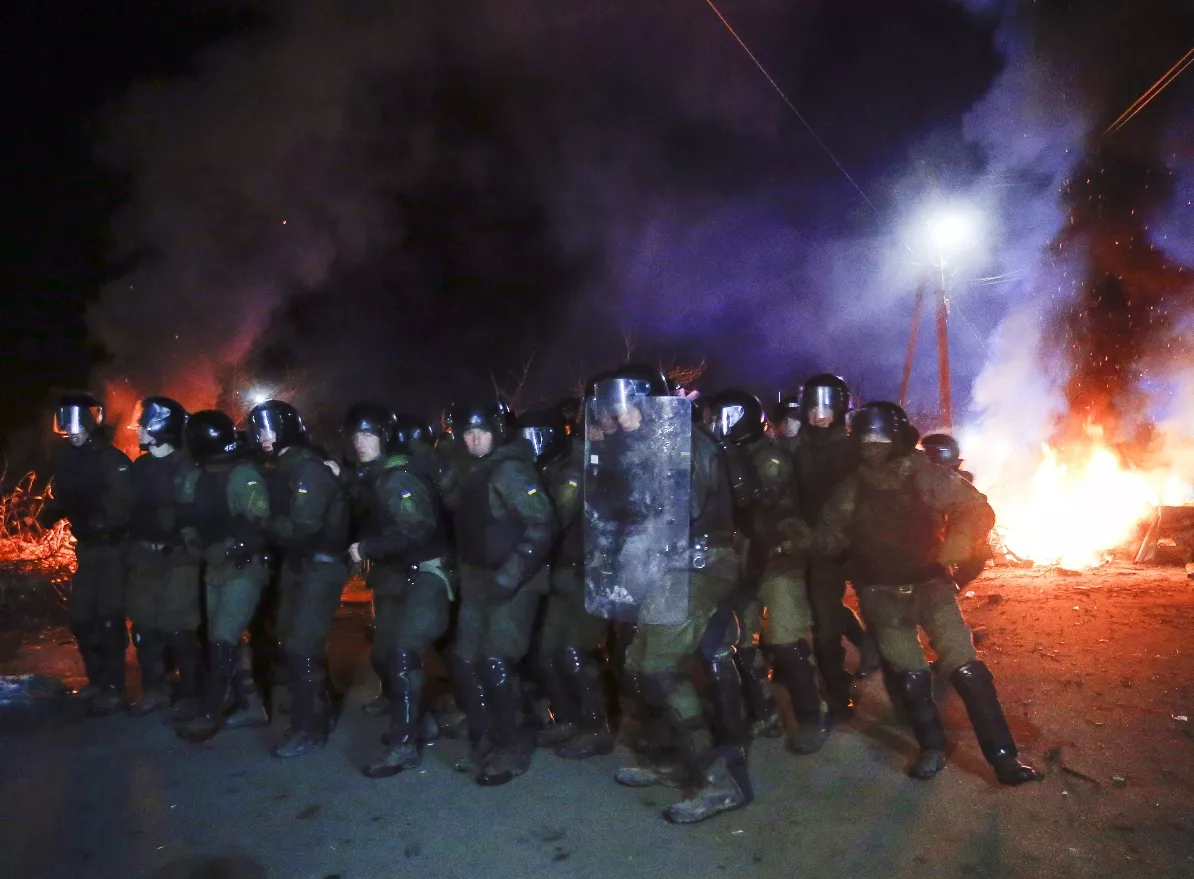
x,y
949,230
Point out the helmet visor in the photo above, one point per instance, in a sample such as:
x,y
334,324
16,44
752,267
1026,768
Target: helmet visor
x,y
618,395
822,406
539,438
725,418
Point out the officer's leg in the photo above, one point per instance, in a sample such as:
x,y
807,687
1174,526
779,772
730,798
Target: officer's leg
x,y
423,616
317,595
549,665
861,638
384,608
952,640
179,613
894,617
826,588
577,663
83,612
146,577
112,636
506,640
465,667
752,668
789,621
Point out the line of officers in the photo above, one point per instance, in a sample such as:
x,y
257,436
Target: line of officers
x,y
477,541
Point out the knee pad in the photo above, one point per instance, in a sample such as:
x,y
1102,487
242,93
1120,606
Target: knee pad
x,y
495,672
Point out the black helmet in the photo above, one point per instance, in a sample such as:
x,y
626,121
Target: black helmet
x,y
275,425
545,432
78,413
163,420
786,408
212,437
571,412
484,413
410,429
591,384
635,381
942,448
737,417
884,423
371,419
823,397
701,412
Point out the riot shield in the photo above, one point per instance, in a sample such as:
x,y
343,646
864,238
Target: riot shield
x,y
637,490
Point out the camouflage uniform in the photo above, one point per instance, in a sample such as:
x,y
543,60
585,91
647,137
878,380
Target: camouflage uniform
x,y
661,659
905,523
230,513
823,457
569,635
92,490
504,525
163,578
309,524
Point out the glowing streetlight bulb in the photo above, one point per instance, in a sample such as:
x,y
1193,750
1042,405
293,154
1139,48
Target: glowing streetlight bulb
x,y
951,228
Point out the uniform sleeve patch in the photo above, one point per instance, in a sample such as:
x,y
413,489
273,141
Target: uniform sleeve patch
x,y
406,495
532,491
572,482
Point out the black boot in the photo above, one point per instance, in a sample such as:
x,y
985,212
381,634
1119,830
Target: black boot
x,y
87,636
380,705
756,689
248,706
868,650
511,757
839,683
308,729
728,723
794,669
562,727
655,757
917,690
151,656
188,659
891,683
206,724
111,643
975,685
718,772
582,682
470,696
404,672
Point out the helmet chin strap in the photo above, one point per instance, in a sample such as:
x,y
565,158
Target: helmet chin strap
x,y
160,450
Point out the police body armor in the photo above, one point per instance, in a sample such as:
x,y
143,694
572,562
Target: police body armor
x,y
569,547
483,539
155,498
637,512
332,538
823,457
896,537
212,518
78,484
375,518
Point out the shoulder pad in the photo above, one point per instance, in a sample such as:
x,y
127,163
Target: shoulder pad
x,y
397,462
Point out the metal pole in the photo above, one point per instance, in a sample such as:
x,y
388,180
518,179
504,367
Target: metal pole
x,y
947,415
917,308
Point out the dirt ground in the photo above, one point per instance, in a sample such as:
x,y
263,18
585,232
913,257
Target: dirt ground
x,y
1097,679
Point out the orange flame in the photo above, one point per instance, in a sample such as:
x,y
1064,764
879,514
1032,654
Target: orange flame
x,y
1074,508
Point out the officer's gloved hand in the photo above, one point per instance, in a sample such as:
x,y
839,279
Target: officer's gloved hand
x,y
239,554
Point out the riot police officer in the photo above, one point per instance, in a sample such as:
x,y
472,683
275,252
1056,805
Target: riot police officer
x,y
93,492
402,539
504,525
943,449
309,525
785,422
776,577
228,518
163,572
823,457
568,635
635,419
904,522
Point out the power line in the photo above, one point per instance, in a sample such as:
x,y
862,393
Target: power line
x,y
775,85
1151,92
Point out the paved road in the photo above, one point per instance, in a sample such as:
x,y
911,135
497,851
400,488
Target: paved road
x,y
124,797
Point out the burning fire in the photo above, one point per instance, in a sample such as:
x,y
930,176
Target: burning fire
x,y
1072,508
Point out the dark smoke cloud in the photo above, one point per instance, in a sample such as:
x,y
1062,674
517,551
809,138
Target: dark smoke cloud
x,y
396,202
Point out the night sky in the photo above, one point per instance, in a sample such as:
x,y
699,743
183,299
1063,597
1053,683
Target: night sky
x,y
342,200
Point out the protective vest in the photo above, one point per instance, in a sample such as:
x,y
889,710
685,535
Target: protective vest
x,y
376,519
212,514
823,458
895,536
155,497
716,517
569,547
78,484
483,539
333,535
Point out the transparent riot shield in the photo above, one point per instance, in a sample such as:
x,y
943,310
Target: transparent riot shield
x,y
637,487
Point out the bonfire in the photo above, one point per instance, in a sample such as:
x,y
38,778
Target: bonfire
x,y
26,548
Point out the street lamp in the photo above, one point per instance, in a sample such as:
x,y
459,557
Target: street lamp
x,y
947,230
